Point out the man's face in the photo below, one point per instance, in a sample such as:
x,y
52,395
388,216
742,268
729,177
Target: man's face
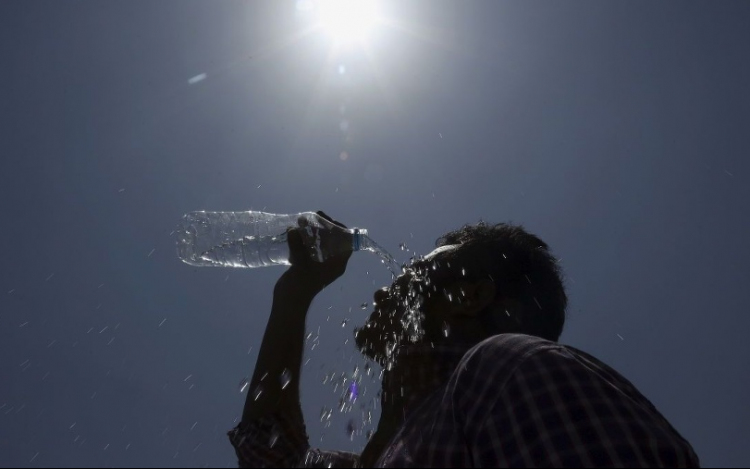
x,y
410,310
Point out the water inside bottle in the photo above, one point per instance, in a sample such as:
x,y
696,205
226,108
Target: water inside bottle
x,y
244,252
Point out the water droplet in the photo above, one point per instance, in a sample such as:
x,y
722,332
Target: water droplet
x,y
446,329
285,378
463,272
363,305
351,429
344,322
243,385
390,347
369,435
258,392
274,438
325,414
403,246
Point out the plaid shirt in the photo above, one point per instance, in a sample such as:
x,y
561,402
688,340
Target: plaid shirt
x,y
510,401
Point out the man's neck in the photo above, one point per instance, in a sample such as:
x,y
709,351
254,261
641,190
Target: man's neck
x,y
387,428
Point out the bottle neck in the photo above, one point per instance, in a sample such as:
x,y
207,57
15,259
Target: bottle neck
x,y
360,240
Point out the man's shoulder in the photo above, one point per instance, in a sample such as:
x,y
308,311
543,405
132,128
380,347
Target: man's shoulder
x,y
502,355
508,348
498,360
494,360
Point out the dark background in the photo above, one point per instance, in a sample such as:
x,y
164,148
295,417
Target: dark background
x,y
617,131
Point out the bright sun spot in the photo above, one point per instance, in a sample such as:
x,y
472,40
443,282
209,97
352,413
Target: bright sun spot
x,y
347,20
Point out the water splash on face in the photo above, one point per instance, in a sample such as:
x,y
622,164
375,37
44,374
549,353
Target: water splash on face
x,y
413,317
414,301
390,348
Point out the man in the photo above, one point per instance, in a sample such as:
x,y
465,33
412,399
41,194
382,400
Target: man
x,y
473,376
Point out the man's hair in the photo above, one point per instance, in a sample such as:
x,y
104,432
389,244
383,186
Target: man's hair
x,y
522,269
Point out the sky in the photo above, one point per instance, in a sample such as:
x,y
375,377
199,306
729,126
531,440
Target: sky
x,y
616,131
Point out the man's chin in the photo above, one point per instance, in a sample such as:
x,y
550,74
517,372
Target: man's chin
x,y
371,354
371,346
365,344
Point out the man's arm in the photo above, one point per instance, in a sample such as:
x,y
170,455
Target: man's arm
x,y
272,432
275,383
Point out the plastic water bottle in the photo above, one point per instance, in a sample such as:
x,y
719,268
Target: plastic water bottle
x,y
259,239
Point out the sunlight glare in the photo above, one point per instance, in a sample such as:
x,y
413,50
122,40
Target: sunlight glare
x,y
347,20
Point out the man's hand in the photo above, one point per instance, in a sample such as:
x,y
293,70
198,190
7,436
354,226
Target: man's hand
x,y
306,271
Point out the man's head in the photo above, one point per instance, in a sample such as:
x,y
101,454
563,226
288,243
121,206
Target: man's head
x,y
482,280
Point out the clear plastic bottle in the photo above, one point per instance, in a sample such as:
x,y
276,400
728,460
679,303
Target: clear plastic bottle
x,y
259,239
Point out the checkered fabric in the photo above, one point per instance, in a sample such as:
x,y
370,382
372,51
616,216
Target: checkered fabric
x,y
510,401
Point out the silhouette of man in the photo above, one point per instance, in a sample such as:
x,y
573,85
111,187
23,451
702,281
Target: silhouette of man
x,y
473,374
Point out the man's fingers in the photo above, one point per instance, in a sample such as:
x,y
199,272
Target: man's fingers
x,y
295,239
323,215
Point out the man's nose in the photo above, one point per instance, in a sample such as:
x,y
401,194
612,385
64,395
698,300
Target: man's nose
x,y
400,284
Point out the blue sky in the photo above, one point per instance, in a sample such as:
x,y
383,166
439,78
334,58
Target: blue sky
x,y
615,131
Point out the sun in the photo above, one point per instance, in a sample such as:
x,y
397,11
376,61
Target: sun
x,y
347,21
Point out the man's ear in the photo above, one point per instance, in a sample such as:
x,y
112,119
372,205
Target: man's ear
x,y
475,296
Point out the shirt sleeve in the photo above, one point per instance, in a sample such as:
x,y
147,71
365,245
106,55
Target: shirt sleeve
x,y
558,409
279,440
